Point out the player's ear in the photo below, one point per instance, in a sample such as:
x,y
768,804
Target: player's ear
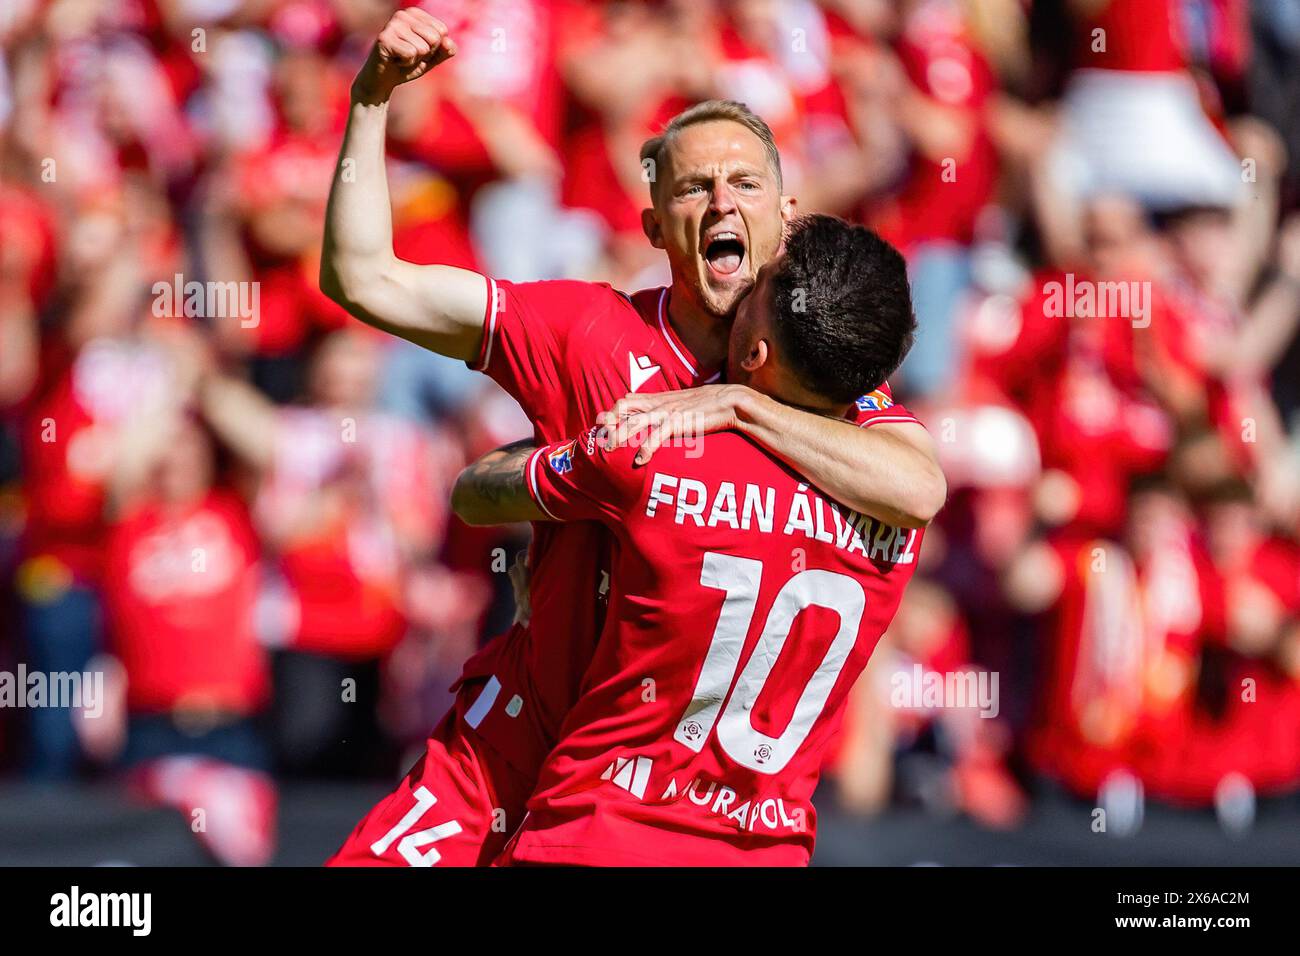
x,y
758,355
650,226
789,208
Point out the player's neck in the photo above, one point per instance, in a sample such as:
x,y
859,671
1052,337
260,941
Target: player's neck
x,y
773,379
807,402
704,334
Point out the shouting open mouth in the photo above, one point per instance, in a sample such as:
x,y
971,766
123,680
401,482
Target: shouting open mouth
x,y
724,252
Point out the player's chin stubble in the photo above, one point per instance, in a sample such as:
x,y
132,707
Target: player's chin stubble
x,y
723,303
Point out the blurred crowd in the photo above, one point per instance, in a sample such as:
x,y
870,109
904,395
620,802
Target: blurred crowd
x,y
232,500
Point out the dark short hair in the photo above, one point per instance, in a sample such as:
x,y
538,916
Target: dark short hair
x,y
842,307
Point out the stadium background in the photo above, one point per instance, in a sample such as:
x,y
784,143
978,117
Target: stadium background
x,y
279,604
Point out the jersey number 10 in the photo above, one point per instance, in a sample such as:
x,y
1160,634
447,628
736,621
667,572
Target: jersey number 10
x,y
739,579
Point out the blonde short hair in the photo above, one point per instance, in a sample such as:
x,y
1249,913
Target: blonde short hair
x,y
707,112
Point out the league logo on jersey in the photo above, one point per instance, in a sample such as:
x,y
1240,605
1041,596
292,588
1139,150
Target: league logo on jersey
x,y
562,458
874,402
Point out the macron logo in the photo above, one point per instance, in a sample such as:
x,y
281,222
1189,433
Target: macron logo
x,y
639,370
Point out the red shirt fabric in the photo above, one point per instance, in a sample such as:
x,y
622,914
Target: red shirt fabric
x,y
346,574
567,351
69,434
180,589
744,605
942,199
1139,35
28,235
1120,633
1076,381
591,181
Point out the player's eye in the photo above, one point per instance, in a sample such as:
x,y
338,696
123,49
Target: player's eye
x,y
694,189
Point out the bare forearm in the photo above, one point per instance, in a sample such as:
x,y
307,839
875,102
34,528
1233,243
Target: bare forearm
x,y
494,489
19,346
1271,326
438,307
359,219
888,471
140,445
242,419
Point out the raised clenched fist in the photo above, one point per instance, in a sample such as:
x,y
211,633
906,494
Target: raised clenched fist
x,y
409,46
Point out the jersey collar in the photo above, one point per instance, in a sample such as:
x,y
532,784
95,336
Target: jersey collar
x,y
677,345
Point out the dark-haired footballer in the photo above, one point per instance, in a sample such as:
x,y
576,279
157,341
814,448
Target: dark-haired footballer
x,y
744,603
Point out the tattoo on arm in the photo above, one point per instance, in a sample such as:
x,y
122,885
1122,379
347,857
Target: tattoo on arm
x,y
494,489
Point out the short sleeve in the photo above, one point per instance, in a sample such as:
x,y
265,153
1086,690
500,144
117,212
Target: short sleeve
x,y
878,408
578,480
526,334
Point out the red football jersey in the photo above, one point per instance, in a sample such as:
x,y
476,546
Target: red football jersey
x,y
567,351
744,605
180,591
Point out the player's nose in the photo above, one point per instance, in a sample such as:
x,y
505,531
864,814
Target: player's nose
x,y
723,199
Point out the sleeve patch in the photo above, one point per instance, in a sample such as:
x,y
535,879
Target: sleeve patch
x,y
876,401
561,459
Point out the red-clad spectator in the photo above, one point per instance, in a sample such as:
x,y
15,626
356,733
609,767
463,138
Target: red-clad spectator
x,y
1182,615
627,68
102,368
1124,629
491,123
273,201
1094,434
921,686
1090,691
181,580
1133,119
938,87
600,42
954,166
1250,726
350,501
1074,371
